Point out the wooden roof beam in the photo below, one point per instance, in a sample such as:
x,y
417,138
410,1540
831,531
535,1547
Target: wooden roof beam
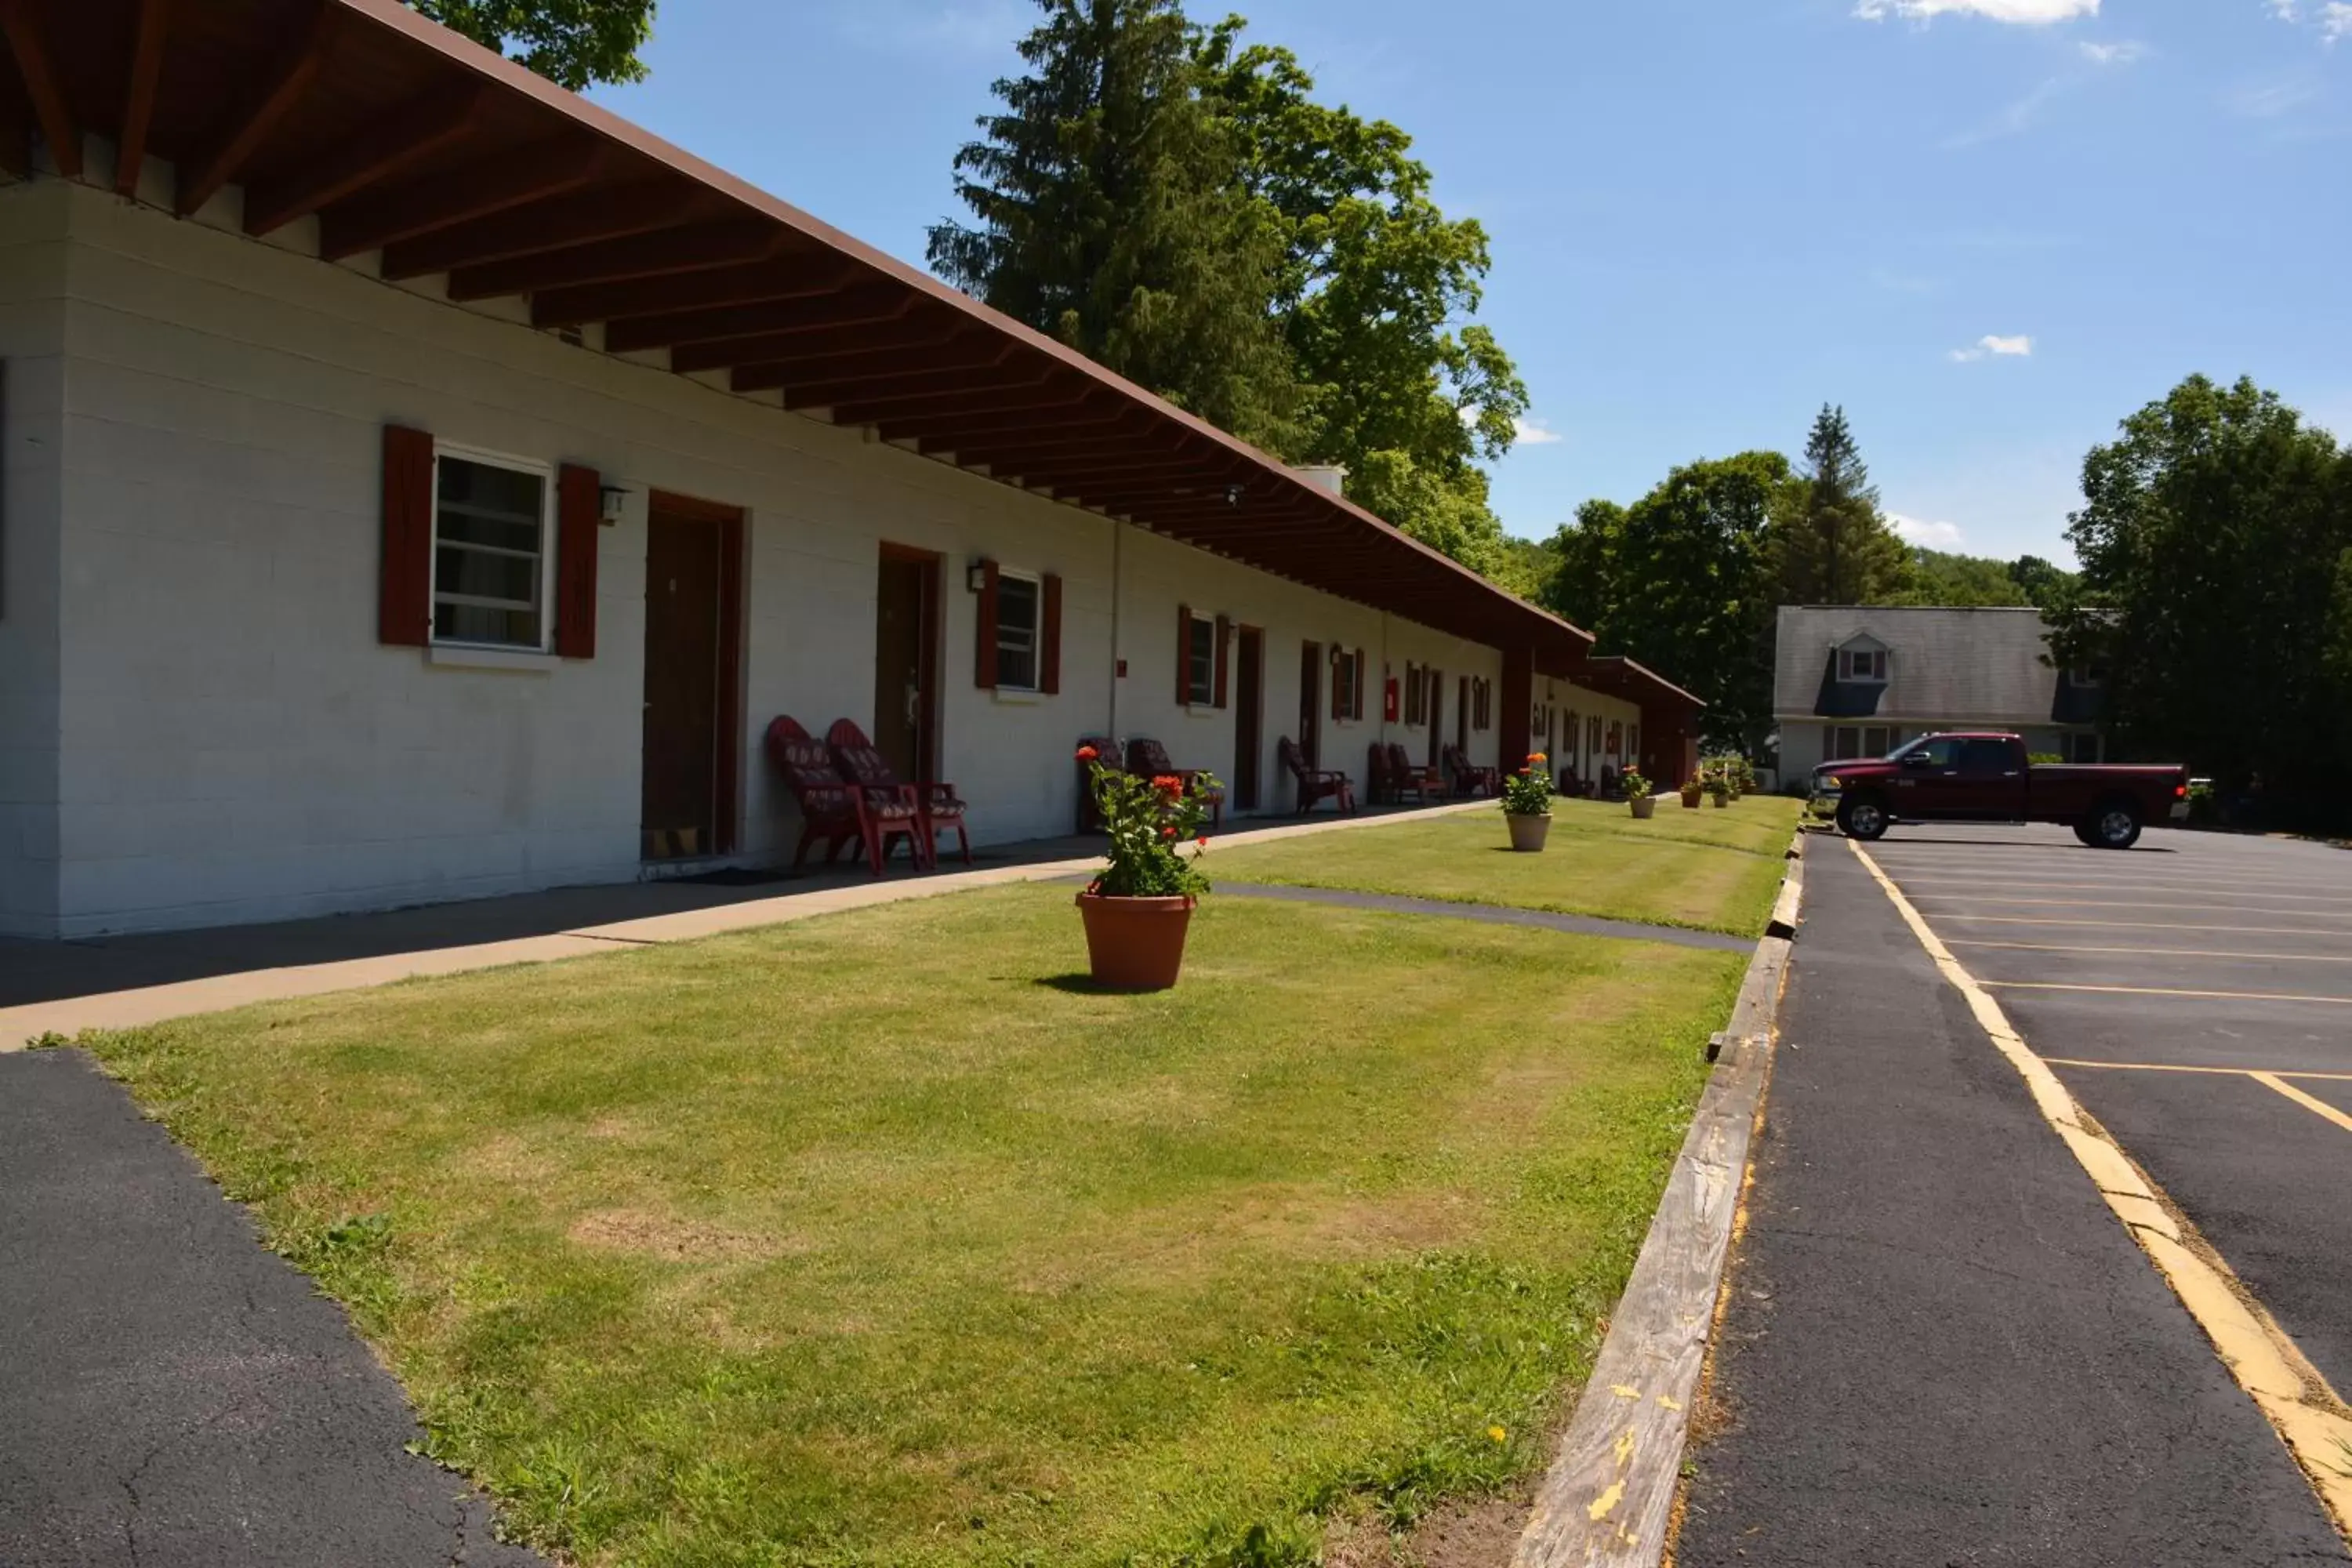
x,y
1101,418
138,96
377,219
815,319
15,114
1094,440
1029,397
668,250
793,276
555,224
828,380
967,382
397,141
256,113
30,42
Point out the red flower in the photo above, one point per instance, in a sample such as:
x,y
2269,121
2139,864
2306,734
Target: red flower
x,y
1169,785
1167,833
1088,753
1202,841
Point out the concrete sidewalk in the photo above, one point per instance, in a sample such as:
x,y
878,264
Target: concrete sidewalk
x,y
1939,1345
120,983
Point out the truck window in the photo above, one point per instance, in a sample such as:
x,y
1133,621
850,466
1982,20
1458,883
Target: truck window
x,y
1936,751
1988,759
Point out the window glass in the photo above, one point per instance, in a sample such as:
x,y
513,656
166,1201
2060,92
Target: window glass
x,y
1987,758
1016,632
1201,672
1943,751
489,540
1874,743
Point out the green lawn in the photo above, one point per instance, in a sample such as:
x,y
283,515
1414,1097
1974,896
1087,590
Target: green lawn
x,y
879,1239
1714,870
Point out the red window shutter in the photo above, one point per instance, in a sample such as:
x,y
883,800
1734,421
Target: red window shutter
x,y
1224,630
1183,655
1358,704
579,503
1339,684
984,662
404,611
1049,636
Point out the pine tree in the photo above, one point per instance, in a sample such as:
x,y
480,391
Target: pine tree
x,y
1112,216
1832,546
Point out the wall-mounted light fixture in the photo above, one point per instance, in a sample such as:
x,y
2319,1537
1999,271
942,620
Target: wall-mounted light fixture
x,y
609,499
975,576
1233,495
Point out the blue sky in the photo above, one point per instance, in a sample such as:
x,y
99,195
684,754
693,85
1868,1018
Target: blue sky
x,y
1990,228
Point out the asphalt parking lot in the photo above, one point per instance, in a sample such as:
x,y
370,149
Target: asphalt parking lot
x,y
2195,994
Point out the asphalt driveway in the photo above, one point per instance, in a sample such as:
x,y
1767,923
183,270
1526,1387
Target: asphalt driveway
x,y
2195,994
175,1397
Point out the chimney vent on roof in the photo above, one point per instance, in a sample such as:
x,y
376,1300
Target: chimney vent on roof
x,y
1330,476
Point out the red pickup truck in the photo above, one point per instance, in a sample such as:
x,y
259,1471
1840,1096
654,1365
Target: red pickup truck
x,y
1985,777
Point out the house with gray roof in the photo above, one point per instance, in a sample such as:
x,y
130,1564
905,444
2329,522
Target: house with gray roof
x,y
1860,680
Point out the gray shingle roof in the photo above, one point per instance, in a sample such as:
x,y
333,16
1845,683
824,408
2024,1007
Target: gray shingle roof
x,y
1947,666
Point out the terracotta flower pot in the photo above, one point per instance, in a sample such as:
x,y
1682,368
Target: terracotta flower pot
x,y
1529,831
1644,805
1722,800
1135,944
1690,800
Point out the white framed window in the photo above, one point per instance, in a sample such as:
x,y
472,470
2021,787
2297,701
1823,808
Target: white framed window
x,y
1862,664
1201,661
493,526
1020,601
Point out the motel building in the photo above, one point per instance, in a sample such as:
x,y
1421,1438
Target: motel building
x,y
421,484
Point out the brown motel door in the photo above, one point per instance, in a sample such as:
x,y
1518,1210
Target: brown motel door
x,y
905,652
1249,718
1310,703
688,804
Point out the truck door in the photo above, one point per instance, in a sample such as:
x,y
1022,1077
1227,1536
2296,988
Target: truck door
x,y
1993,779
1928,787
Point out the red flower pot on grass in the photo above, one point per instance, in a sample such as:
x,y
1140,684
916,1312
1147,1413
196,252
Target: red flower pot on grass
x,y
1139,911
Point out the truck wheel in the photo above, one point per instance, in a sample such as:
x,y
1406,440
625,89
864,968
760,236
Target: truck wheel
x,y
2115,825
2082,832
1863,817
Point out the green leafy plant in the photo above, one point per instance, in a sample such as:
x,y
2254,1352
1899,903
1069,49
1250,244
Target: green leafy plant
x,y
1528,793
1148,820
1637,787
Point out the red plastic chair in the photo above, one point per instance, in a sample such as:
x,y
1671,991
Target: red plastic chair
x,y
935,806
1315,784
831,809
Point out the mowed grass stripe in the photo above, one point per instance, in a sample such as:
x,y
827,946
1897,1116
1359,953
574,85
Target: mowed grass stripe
x,y
1707,869
879,1238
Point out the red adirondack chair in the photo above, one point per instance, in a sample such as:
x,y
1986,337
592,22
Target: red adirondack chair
x,y
1469,778
832,809
1315,784
1408,778
1380,780
1147,759
937,806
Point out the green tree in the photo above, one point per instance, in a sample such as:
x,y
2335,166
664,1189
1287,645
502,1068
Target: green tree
x,y
1374,297
1691,591
1112,214
1582,580
1832,546
2213,537
573,43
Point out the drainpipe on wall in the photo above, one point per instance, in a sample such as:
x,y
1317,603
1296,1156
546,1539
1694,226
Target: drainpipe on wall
x,y
1381,698
1110,727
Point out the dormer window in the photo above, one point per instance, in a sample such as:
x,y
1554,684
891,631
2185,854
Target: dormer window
x,y
1862,664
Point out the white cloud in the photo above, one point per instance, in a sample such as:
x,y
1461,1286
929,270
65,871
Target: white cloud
x,y
2031,13
2286,10
2013,121
1993,346
1917,531
2335,22
1537,433
2270,100
2121,54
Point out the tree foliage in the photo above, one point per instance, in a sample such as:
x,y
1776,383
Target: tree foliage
x,y
1835,547
573,43
1173,202
2216,542
1936,577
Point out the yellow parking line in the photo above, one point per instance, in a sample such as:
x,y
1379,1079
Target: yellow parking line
x,y
2319,1107
2159,991
2114,904
2134,925
2307,1413
2176,1067
2124,887
2156,952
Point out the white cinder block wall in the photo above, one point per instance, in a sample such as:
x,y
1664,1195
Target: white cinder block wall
x,y
32,348
233,744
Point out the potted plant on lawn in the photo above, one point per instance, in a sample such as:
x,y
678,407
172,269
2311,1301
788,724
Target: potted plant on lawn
x,y
1718,787
1138,910
1691,790
1527,805
1639,793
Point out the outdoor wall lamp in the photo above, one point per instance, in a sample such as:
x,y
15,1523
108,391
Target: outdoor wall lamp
x,y
608,504
975,577
1233,495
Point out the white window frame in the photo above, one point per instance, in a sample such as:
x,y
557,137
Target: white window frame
x,y
1036,629
1850,662
545,473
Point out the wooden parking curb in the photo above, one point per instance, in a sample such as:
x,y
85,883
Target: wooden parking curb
x,y
1609,1496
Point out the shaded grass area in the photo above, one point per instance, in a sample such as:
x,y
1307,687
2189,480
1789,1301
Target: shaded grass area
x,y
879,1238
1708,869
